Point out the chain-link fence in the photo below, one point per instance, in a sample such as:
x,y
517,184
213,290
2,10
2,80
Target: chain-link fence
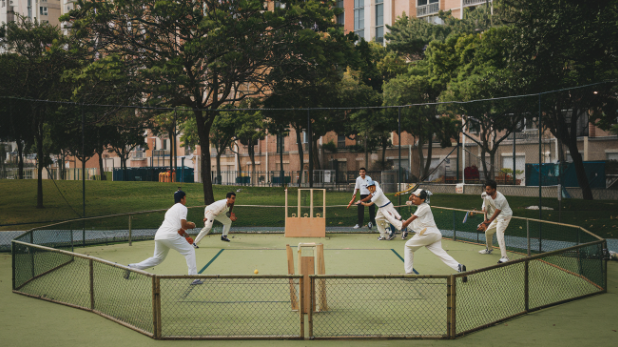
x,y
563,262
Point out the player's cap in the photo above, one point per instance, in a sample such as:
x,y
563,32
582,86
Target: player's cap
x,y
370,182
423,194
178,195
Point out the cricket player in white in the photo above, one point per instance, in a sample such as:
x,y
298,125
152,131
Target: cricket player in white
x,y
361,184
385,208
496,205
221,211
171,234
427,234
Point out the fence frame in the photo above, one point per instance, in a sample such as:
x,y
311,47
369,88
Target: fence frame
x,y
451,282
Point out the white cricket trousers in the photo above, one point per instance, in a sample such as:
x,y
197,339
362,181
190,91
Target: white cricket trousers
x,y
162,247
499,225
210,219
385,215
432,239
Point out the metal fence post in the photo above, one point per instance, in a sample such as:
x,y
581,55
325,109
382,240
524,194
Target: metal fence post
x,y
453,306
527,285
528,234
454,229
130,231
310,310
91,266
84,233
156,307
301,295
31,250
72,246
449,306
13,264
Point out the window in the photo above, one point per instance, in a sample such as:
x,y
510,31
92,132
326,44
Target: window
x,y
379,21
280,143
340,17
612,156
163,144
340,141
43,11
359,18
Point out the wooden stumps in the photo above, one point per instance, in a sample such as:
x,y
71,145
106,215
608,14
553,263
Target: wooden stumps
x,y
310,225
293,296
310,265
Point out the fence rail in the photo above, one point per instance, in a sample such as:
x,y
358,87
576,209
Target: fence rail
x,y
563,263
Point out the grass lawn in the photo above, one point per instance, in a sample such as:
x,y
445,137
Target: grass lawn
x,y
107,197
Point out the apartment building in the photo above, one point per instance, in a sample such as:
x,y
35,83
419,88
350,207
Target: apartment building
x,y
45,11
369,18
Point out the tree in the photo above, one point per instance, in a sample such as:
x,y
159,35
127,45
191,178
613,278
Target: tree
x,y
44,59
196,54
573,44
15,122
249,128
129,129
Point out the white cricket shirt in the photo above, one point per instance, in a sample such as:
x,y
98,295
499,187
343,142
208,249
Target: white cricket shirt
x,y
169,229
361,184
424,218
217,207
499,203
379,198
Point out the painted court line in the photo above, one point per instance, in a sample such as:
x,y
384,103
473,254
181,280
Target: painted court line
x,y
211,261
397,254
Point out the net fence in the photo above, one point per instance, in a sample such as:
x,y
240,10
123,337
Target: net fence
x,y
563,262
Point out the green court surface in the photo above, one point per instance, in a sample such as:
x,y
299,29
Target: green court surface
x,y
27,321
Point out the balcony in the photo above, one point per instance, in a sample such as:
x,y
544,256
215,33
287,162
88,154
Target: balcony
x,y
425,10
467,3
161,153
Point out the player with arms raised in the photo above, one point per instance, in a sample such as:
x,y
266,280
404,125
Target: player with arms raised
x,y
496,205
220,210
171,234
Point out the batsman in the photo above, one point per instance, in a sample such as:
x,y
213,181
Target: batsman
x,y
496,206
221,211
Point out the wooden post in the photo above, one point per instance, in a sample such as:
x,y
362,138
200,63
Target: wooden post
x,y
321,270
130,231
310,203
298,207
527,285
293,298
91,265
13,263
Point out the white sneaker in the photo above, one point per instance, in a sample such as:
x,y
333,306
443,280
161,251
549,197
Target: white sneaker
x,y
195,246
357,226
196,282
391,235
503,260
486,251
369,225
381,238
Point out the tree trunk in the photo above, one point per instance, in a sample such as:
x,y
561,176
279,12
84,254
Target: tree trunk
x,y
281,174
203,130
218,179
384,146
20,159
428,159
578,162
300,154
171,136
175,153
103,177
366,154
492,163
421,158
251,149
485,172
316,157
39,152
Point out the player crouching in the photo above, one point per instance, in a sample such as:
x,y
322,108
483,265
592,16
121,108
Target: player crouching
x,y
220,210
427,234
495,204
386,210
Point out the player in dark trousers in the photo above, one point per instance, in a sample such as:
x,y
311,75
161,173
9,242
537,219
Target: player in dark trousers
x,y
361,184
